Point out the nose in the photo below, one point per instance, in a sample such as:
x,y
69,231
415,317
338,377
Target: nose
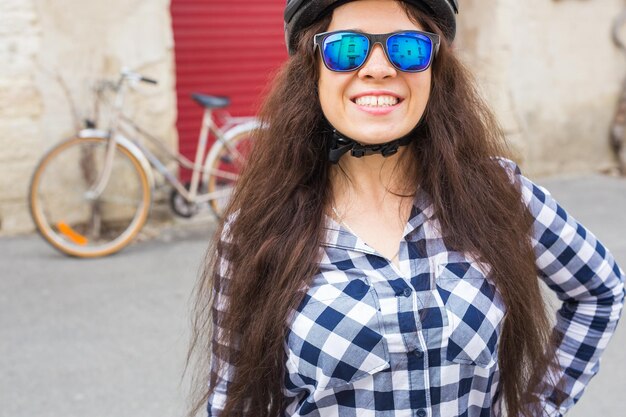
x,y
377,65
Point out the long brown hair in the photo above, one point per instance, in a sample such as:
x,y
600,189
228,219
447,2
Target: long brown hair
x,y
273,244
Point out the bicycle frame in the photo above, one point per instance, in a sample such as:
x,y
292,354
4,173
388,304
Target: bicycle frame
x,y
199,167
116,135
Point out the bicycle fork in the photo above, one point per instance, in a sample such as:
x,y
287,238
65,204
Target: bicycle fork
x,y
93,193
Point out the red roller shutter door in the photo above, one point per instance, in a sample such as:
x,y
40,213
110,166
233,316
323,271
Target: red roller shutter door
x,y
227,48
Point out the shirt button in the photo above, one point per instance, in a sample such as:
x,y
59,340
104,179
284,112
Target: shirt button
x,y
407,292
418,353
421,413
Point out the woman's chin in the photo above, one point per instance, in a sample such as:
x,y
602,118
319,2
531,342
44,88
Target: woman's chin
x,y
375,138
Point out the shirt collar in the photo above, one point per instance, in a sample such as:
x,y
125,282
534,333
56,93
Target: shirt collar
x,y
423,209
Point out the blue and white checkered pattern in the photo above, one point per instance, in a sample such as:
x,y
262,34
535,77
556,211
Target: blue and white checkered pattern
x,y
421,339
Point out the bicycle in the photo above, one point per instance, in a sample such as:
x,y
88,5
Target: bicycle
x,y
90,195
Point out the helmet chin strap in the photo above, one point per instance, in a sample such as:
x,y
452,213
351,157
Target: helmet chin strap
x,y
341,144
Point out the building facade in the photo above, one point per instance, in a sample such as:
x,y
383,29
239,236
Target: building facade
x,y
552,84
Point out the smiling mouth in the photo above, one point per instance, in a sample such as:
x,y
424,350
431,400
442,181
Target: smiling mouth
x,y
377,101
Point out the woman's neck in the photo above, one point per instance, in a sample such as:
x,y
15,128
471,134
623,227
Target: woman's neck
x,y
372,198
373,179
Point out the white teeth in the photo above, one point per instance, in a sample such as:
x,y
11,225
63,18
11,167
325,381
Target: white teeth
x,y
377,101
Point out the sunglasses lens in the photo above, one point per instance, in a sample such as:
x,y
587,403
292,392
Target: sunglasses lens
x,y
409,51
345,51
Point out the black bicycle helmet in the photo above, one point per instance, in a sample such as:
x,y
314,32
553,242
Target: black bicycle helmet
x,y
302,13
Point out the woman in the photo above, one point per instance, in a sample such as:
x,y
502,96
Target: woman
x,y
380,257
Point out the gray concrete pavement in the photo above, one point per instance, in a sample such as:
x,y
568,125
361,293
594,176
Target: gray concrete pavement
x,y
107,337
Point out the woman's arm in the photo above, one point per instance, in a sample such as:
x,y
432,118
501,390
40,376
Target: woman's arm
x,y
586,278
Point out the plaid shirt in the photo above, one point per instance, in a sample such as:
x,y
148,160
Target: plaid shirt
x,y
421,339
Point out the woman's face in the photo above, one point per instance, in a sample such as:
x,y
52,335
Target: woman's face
x,y
339,92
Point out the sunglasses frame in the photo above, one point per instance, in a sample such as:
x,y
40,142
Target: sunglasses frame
x,y
381,39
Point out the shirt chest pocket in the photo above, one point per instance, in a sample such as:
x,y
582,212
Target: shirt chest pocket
x,y
475,311
335,337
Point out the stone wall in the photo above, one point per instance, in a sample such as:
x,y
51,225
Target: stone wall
x,y
78,42
21,108
553,75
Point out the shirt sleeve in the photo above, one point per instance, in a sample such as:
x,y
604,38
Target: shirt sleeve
x,y
221,352
588,282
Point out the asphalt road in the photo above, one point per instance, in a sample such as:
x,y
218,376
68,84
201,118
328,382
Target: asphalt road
x,y
107,337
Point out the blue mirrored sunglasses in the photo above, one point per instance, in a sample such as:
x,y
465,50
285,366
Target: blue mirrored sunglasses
x,y
408,50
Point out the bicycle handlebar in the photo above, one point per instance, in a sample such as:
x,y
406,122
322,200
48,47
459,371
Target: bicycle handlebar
x,y
135,76
149,80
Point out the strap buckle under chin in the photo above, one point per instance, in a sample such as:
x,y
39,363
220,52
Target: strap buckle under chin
x,y
341,145
385,149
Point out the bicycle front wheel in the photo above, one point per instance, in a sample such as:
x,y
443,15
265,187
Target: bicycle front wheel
x,y
224,168
68,213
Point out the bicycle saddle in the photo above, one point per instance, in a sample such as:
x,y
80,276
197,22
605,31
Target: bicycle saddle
x,y
211,102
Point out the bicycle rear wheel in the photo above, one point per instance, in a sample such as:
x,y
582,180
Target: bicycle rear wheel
x,y
225,167
67,213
